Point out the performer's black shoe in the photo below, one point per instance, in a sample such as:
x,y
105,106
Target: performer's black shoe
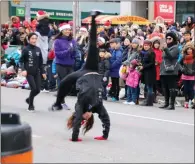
x,y
55,107
31,109
27,101
95,12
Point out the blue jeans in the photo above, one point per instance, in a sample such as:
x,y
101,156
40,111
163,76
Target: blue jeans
x,y
131,94
189,88
52,81
149,89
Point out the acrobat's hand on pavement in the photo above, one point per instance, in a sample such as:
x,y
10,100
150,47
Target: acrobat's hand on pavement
x,y
100,138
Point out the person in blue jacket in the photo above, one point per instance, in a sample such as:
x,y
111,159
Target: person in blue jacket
x,y
115,64
54,72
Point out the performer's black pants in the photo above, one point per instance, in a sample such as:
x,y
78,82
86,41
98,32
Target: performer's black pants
x,y
35,85
103,116
66,85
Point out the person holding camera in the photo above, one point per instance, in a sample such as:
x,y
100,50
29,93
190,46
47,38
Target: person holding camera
x,y
169,70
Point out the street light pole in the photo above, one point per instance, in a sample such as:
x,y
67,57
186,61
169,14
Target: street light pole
x,y
76,16
27,11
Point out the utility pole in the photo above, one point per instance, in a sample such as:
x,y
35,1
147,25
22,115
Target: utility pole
x,y
76,16
27,11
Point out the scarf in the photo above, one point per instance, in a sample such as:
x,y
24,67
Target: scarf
x,y
188,59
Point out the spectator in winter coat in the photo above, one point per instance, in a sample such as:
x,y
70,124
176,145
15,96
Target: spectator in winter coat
x,y
15,22
147,57
104,69
131,76
158,61
169,70
115,63
133,51
126,47
42,30
188,73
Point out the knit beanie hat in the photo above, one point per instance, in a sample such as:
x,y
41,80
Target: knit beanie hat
x,y
136,41
148,42
172,35
134,62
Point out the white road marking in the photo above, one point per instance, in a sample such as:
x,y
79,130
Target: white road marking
x,y
151,118
36,136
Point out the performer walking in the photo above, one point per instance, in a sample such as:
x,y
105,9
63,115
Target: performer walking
x,y
90,91
31,62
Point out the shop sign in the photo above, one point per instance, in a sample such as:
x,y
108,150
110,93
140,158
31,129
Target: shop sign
x,y
166,10
54,14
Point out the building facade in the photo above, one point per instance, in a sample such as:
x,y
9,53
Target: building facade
x,y
146,9
63,10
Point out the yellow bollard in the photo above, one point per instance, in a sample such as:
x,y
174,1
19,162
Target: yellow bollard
x,y
16,140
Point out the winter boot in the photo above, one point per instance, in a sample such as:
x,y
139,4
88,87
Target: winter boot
x,y
193,107
154,98
166,94
172,103
150,99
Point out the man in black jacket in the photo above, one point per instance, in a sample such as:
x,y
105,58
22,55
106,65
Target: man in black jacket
x,y
89,86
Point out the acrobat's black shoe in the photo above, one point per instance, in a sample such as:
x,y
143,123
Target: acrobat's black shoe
x,y
95,12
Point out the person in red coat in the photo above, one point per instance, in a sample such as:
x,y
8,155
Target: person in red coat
x,y
15,22
158,61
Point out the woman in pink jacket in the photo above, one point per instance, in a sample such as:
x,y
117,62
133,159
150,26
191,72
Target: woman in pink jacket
x,y
132,77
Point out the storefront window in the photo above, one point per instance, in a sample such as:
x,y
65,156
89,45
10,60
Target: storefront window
x,y
184,9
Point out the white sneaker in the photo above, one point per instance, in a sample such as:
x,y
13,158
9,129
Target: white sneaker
x,y
65,106
126,103
132,103
44,91
190,104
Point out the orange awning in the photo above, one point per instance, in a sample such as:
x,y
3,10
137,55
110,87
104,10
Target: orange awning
x,y
101,19
134,19
115,19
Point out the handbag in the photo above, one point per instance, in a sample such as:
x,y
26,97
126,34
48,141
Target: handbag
x,y
170,68
187,71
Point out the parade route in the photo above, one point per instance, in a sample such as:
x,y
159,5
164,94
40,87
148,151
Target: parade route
x,y
138,134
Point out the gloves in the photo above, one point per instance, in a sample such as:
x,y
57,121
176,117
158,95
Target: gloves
x,y
105,79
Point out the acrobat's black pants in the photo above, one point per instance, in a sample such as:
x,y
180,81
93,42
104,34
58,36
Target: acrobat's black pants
x,y
67,83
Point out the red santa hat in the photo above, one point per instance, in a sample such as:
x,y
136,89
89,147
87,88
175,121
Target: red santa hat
x,y
41,15
107,23
83,29
64,26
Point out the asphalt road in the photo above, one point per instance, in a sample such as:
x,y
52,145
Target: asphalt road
x,y
138,134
